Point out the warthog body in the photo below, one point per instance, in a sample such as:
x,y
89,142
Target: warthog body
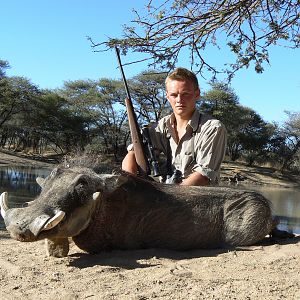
x,y
104,212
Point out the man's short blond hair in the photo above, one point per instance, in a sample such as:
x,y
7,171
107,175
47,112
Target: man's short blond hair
x,y
182,74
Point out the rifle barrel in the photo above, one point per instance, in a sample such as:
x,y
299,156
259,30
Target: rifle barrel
x,y
122,72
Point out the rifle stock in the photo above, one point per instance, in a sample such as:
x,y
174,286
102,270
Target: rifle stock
x,y
137,140
136,136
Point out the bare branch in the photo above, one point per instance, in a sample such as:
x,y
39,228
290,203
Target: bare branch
x,y
247,27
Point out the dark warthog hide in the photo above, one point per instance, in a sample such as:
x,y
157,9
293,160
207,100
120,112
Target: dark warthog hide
x,y
103,212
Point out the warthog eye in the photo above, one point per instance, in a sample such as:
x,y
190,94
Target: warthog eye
x,y
55,172
82,181
79,188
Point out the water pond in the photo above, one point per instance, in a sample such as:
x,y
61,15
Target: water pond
x,y
22,187
20,183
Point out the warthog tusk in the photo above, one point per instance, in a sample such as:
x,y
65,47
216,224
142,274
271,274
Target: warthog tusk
x,y
40,181
4,203
29,203
96,195
54,221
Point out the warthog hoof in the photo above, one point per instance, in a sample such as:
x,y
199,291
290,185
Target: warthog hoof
x,y
58,247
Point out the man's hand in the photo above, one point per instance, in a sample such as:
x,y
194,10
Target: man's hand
x,y
195,179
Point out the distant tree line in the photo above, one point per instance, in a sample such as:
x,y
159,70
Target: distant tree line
x,y
89,115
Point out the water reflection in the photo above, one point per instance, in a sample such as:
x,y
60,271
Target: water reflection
x,y
20,183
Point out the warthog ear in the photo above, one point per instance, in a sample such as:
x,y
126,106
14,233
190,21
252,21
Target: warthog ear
x,y
122,179
40,181
112,182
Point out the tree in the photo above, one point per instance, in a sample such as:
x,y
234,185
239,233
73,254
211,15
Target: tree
x,y
222,102
16,96
149,97
111,120
276,149
3,66
247,132
248,28
254,135
56,124
101,104
291,131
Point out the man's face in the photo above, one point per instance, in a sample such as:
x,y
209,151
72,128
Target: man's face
x,y
182,96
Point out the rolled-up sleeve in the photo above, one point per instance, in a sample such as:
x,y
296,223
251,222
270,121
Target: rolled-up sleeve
x,y
210,147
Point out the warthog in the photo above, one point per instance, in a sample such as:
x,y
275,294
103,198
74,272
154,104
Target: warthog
x,y
103,212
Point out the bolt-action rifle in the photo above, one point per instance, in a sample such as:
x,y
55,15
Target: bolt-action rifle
x,y
142,145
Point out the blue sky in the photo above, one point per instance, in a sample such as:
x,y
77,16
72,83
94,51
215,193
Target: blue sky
x,y
45,41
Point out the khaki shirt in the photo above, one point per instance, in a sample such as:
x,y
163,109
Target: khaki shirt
x,y
201,148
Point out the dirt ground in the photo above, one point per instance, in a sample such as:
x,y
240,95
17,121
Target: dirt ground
x,y
259,272
270,270
255,175
8,159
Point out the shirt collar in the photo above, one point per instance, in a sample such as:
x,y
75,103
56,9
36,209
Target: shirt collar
x,y
193,122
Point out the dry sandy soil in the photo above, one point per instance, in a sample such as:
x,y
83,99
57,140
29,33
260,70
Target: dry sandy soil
x,y
259,272
270,270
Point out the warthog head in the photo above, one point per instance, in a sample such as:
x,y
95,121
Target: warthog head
x,y
64,207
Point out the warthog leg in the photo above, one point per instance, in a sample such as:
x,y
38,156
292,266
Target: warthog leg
x,y
57,247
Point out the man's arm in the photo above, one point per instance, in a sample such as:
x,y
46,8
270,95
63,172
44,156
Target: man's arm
x,y
210,151
129,163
